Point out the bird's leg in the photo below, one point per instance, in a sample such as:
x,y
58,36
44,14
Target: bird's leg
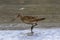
x,y
33,27
35,24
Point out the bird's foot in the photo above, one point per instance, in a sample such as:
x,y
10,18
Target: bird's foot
x,y
30,34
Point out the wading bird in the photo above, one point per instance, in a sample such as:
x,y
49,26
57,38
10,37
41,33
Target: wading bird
x,y
30,20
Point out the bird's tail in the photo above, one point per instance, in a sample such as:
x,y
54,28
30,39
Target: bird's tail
x,y
40,19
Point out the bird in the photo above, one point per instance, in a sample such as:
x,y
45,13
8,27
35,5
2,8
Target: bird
x,y
29,20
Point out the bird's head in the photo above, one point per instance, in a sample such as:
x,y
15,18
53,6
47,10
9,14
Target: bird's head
x,y
19,15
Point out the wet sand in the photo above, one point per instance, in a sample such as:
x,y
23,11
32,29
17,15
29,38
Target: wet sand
x,y
22,26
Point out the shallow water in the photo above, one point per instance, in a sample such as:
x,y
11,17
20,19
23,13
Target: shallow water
x,y
39,34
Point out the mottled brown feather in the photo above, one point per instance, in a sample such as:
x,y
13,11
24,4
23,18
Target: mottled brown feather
x,y
30,19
